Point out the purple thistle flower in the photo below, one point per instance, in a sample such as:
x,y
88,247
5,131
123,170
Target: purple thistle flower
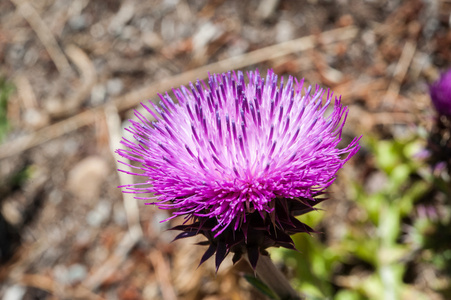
x,y
439,141
440,92
239,161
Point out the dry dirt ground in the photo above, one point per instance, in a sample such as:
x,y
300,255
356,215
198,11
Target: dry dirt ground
x,y
80,67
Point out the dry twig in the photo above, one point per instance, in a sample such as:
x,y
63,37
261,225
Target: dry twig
x,y
130,204
113,262
268,53
400,72
47,284
88,76
163,274
133,98
25,91
44,34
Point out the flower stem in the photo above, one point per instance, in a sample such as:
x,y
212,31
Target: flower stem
x,y
267,272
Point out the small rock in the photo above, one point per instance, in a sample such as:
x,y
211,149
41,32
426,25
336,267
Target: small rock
x,y
267,8
238,47
55,196
151,291
169,3
15,292
31,57
123,16
152,40
167,29
97,30
157,226
130,33
114,86
284,31
11,213
119,216
54,106
76,273
100,214
15,54
60,273
78,22
35,118
207,32
86,178
98,94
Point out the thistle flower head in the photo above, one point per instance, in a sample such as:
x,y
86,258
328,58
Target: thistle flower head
x,y
440,92
240,160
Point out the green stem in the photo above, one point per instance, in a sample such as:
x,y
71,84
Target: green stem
x,y
267,272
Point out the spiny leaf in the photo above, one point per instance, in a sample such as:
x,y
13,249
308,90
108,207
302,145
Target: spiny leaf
x,y
210,251
253,253
221,253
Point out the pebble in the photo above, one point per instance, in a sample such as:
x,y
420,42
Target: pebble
x,y
266,8
152,40
76,273
97,30
86,177
238,47
169,3
60,274
15,54
207,32
123,16
158,228
78,23
98,94
167,29
130,33
151,291
100,214
31,57
114,86
119,216
15,292
35,118
284,31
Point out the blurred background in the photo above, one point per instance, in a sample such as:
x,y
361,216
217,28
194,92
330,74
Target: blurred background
x,y
71,73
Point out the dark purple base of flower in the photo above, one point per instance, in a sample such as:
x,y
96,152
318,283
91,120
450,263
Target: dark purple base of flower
x,y
255,235
439,143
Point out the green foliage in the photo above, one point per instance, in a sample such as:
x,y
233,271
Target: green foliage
x,y
373,248
5,91
16,179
